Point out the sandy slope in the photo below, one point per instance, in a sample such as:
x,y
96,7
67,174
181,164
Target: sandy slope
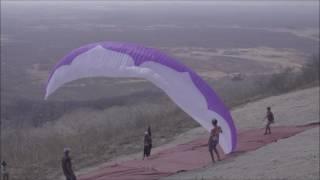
x,y
294,158
294,108
300,107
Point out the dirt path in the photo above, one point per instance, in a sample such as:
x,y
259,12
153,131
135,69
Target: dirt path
x,y
293,158
185,157
292,109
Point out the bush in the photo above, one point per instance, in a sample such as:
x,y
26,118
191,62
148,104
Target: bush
x,y
290,79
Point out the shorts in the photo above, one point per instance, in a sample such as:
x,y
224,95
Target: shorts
x,y
146,151
269,123
212,144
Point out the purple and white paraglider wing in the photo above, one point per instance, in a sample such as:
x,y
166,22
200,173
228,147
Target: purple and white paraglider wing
x,y
180,83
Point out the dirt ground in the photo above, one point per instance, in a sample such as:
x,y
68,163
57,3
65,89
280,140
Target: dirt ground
x,y
294,158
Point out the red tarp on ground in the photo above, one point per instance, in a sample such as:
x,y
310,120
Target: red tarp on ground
x,y
188,156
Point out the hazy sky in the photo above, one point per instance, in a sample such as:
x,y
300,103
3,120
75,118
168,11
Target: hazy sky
x,y
160,0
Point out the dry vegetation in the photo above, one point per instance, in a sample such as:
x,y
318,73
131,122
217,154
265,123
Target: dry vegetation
x,y
94,135
98,131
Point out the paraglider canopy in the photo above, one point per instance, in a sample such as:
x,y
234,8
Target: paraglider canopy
x,y
180,83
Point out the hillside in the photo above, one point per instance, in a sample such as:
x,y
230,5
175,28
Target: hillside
x,y
296,108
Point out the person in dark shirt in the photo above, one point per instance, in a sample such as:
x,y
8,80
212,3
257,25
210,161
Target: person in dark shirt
x,y
214,140
149,132
67,166
147,145
270,120
5,174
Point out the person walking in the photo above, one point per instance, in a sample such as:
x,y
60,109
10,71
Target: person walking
x,y
270,120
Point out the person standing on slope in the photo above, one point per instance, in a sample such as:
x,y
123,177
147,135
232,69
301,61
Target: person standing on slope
x,y
147,145
5,174
214,139
149,132
67,166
